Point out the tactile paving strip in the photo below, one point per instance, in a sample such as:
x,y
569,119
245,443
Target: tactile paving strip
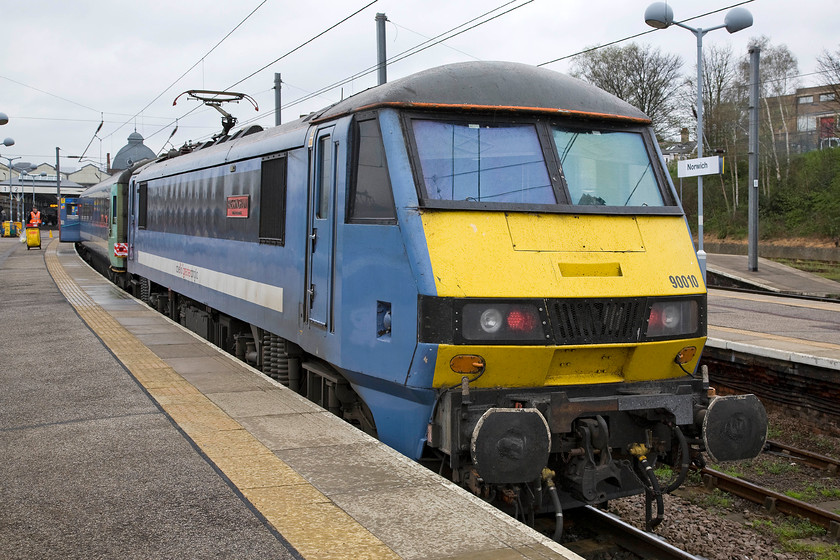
x,y
305,517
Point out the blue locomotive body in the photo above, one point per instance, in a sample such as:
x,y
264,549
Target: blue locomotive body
x,y
485,263
325,283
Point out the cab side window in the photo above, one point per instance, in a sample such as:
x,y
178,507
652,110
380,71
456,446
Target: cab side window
x,y
371,199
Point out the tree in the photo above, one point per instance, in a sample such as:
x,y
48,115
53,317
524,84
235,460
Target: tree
x,y
828,64
723,113
777,73
640,75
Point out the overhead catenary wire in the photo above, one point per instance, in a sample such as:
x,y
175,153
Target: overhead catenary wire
x,y
199,61
273,62
617,41
452,32
98,128
297,48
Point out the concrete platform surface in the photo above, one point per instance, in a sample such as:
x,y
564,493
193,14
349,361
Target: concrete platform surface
x,y
771,276
138,437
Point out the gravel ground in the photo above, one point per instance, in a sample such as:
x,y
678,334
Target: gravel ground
x,y
718,526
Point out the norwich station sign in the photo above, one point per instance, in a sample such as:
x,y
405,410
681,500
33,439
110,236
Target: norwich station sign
x,y
699,166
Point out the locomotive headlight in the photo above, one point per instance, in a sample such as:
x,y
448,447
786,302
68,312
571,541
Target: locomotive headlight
x,y
504,322
672,318
491,320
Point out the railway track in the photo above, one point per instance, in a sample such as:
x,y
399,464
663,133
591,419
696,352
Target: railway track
x,y
622,534
775,501
814,460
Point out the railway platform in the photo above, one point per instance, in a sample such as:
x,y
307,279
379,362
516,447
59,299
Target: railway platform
x,y
122,435
770,276
799,332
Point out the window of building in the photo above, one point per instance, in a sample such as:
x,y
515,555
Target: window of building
x,y
805,99
806,124
371,198
273,200
825,97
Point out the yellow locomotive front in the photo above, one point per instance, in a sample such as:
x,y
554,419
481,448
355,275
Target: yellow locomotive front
x,y
569,310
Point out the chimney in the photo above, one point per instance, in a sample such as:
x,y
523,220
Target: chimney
x,y
684,135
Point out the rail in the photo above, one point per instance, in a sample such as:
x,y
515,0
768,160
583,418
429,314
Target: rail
x,y
772,501
647,545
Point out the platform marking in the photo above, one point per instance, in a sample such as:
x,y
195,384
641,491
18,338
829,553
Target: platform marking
x,y
780,338
306,518
775,298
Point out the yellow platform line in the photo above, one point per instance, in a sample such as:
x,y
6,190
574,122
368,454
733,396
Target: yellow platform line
x,y
780,338
306,518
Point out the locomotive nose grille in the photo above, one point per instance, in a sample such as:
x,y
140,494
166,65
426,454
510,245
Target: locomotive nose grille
x,y
602,321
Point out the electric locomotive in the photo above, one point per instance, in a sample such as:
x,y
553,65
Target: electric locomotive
x,y
483,263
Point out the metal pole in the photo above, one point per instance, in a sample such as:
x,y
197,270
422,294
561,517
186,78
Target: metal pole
x,y
755,53
11,210
277,85
701,254
380,47
58,188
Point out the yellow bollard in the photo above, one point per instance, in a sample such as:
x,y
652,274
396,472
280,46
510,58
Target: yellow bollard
x,y
50,234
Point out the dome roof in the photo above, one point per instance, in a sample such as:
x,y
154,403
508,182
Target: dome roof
x,y
132,152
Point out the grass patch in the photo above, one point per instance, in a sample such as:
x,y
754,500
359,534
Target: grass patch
x,y
789,528
830,270
817,551
778,468
814,492
793,533
731,470
718,499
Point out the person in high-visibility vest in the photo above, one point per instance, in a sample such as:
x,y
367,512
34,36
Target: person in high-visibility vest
x,y
34,217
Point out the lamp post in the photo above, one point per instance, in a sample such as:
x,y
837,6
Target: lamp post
x,y
8,142
32,177
21,167
660,15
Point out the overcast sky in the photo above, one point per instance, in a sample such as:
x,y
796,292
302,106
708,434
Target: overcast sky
x,y
65,65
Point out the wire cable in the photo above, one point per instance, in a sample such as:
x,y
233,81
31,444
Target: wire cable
x,y
399,57
252,74
199,61
269,64
640,34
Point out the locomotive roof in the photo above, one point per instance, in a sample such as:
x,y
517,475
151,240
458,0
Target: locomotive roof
x,y
505,86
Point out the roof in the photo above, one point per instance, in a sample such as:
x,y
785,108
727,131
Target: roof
x,y
132,152
506,86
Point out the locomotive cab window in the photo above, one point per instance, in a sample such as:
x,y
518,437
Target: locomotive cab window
x,y
607,168
371,198
481,162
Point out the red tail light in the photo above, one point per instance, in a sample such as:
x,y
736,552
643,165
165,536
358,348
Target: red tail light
x,y
522,320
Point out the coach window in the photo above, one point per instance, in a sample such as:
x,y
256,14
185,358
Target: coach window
x,y
143,205
371,198
273,200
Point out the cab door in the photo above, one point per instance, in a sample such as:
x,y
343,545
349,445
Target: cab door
x,y
321,234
